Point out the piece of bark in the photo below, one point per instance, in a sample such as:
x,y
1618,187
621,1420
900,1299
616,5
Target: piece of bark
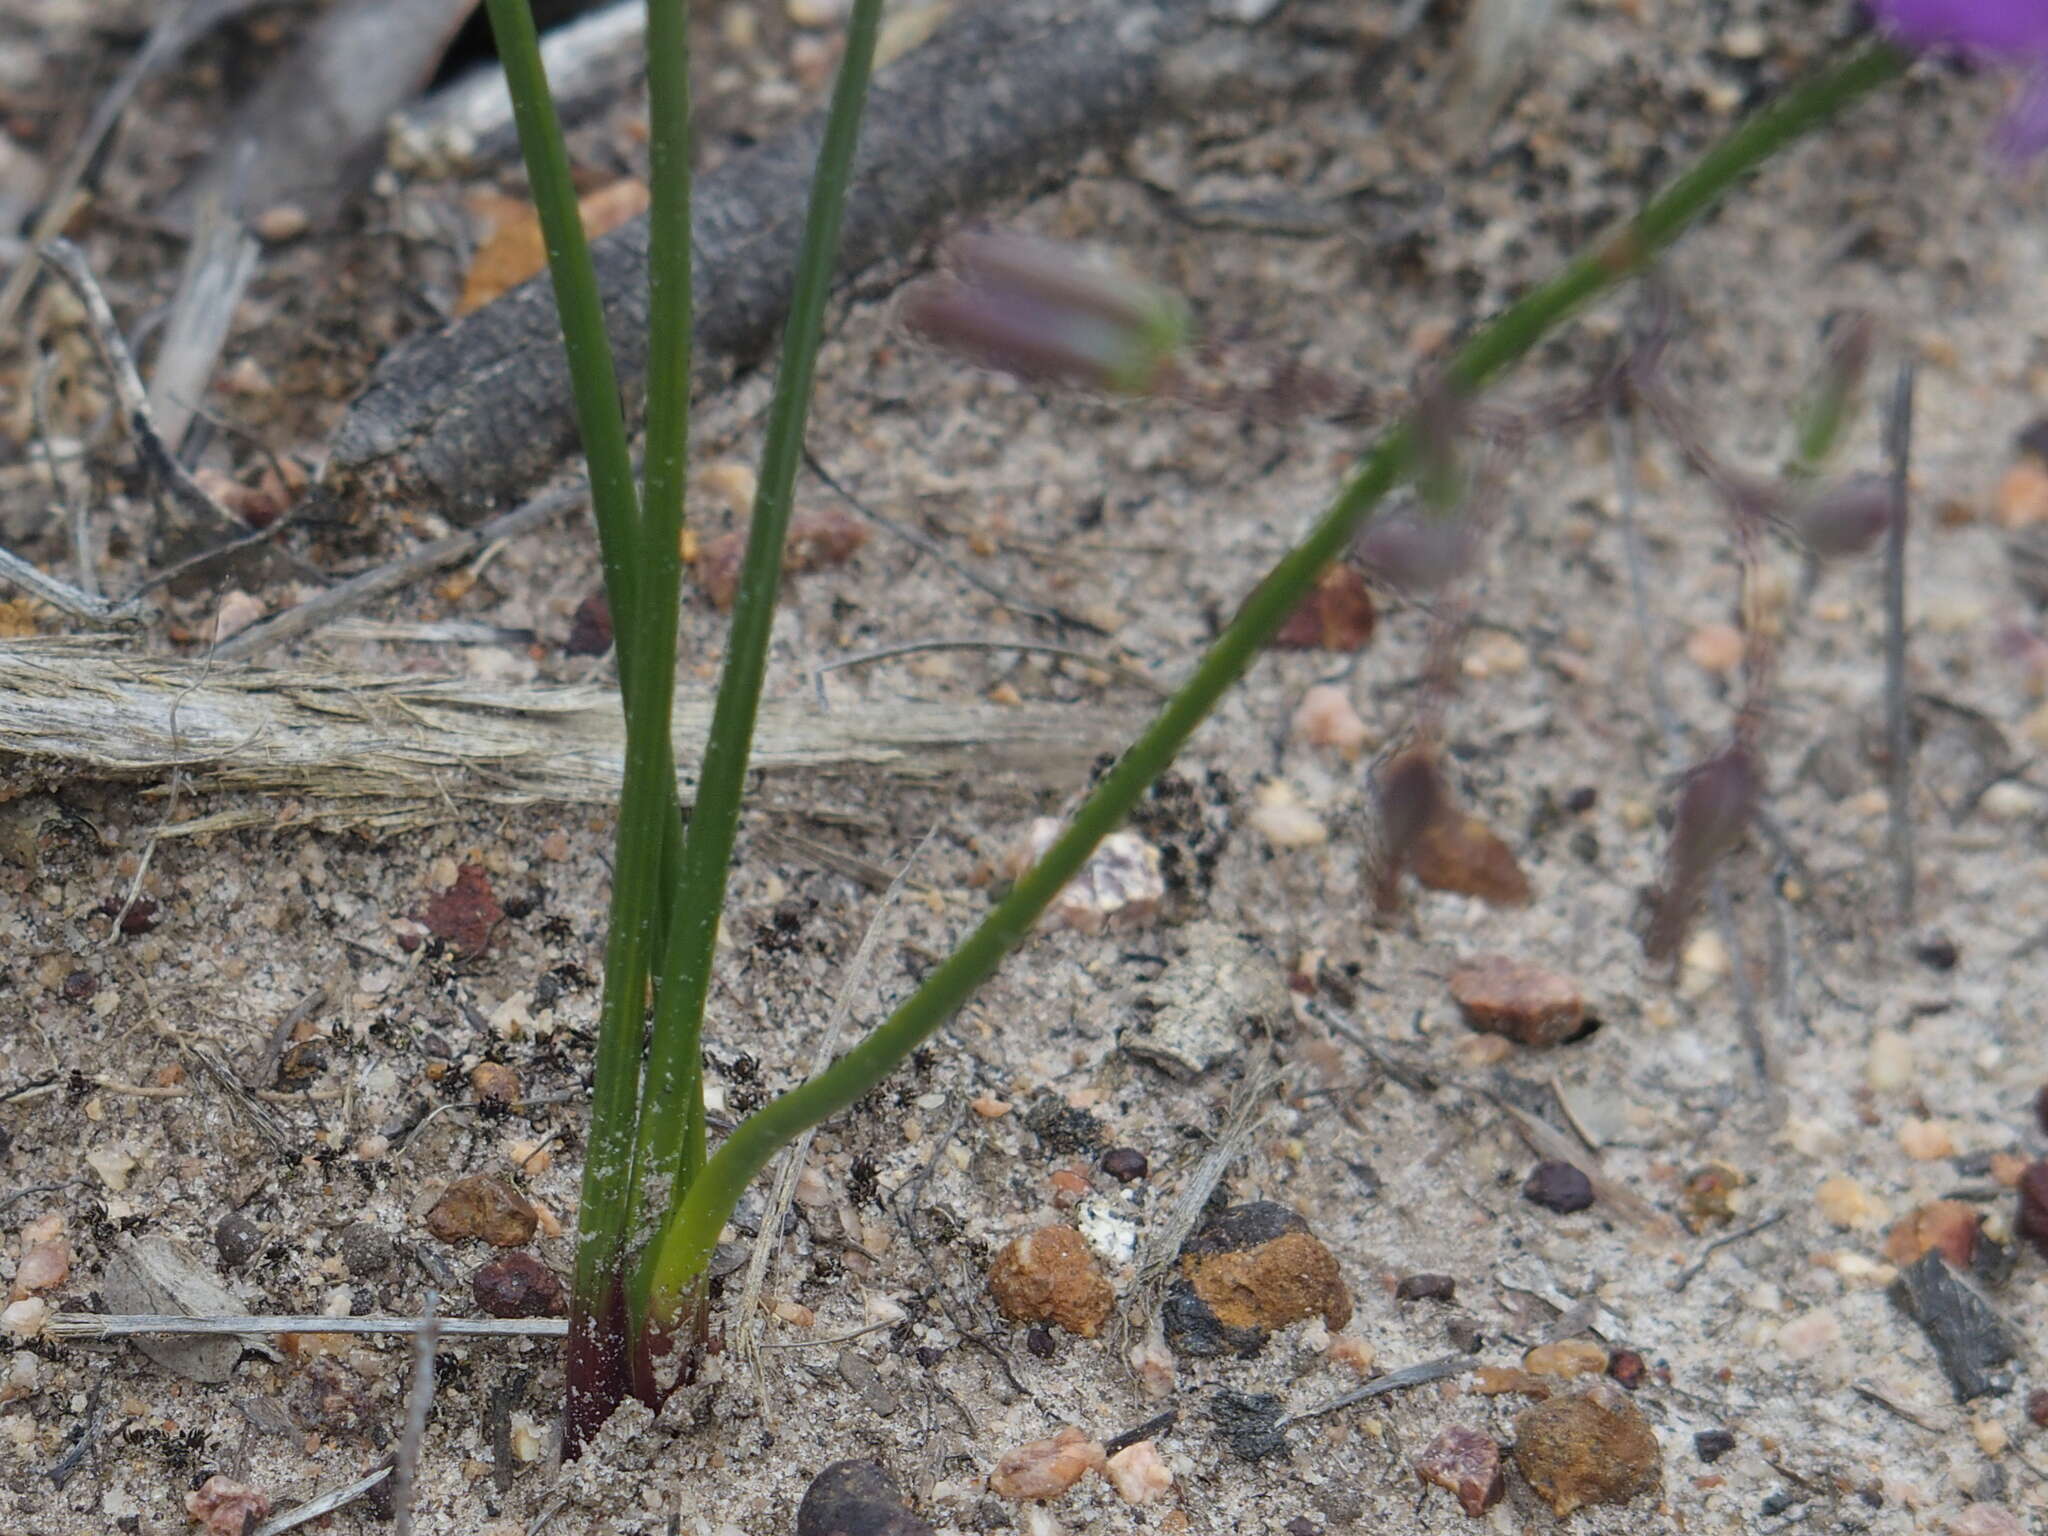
x,y
1002,100
154,1275
380,752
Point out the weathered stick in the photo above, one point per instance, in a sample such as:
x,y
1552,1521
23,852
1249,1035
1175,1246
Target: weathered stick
x,y
377,751
1003,98
104,1325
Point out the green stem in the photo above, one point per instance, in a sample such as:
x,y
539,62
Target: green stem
x,y
666,464
616,507
683,1246
671,1137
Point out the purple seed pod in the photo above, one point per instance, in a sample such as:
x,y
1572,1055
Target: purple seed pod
x,y
1037,310
1714,812
1415,551
1844,517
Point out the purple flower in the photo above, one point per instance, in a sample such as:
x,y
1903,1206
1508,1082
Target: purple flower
x,y
2011,31
1048,314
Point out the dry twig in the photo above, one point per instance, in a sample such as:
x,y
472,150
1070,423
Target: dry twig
x,y
372,751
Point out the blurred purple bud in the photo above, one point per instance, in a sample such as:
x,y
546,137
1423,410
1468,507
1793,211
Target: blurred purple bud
x,y
2013,31
1714,812
1415,552
2011,28
1845,517
1042,312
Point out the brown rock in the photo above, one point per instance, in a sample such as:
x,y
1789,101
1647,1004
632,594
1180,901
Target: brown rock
x,y
1709,1196
816,541
1458,852
463,916
590,628
1254,1268
1566,1357
1503,996
1498,1380
1337,615
225,1507
495,1083
1593,1447
2032,1220
1468,1464
518,1285
1947,1225
1045,1469
484,1206
1051,1276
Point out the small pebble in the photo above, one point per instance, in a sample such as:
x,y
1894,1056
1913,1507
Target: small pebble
x,y
1045,1469
237,1239
495,1084
1710,1445
1250,1270
1948,1226
1716,648
1279,817
225,1507
366,1249
1503,996
590,634
856,1498
1125,1164
1353,1353
1566,1357
1051,1276
1468,1464
1926,1141
518,1285
2022,497
1426,1287
1593,1447
42,1268
1039,1340
1558,1186
282,221
1889,1067
26,1318
1709,1196
484,1206
2031,1221
1325,718
1845,1203
1138,1473
1938,952
1627,1368
2037,1407
113,1165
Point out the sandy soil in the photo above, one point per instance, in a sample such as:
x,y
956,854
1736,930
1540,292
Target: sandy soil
x,y
1151,523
